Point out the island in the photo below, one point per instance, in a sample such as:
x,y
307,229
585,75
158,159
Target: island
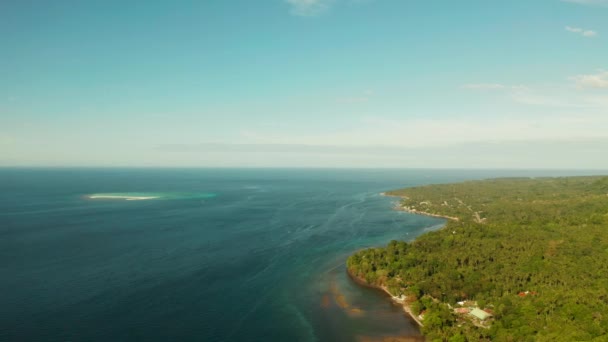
x,y
519,259
145,196
126,197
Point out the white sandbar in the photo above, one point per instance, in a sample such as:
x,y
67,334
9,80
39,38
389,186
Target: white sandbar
x,y
125,197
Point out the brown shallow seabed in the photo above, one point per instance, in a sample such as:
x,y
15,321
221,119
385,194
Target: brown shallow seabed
x,y
351,312
406,308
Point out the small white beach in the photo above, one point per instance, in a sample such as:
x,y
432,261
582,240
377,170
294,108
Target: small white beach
x,y
123,197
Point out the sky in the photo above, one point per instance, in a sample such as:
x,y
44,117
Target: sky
x,y
305,83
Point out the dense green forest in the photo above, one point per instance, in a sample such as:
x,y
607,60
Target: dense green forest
x,y
531,252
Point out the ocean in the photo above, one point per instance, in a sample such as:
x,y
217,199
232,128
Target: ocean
x,y
202,254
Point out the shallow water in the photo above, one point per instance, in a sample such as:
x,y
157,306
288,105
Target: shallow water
x,y
257,255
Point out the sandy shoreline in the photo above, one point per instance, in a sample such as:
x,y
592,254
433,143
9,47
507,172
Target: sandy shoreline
x,y
395,299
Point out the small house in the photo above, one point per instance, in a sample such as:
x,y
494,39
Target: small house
x,y
480,314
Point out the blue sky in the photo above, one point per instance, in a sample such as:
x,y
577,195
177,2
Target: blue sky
x,y
305,83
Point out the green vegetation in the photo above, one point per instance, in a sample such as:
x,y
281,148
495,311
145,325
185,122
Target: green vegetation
x,y
548,236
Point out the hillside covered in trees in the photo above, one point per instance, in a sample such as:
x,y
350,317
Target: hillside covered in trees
x,y
531,253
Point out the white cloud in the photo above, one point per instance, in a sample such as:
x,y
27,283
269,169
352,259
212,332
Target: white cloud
x,y
599,80
309,7
582,32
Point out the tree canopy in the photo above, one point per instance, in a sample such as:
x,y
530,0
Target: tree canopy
x,y
533,252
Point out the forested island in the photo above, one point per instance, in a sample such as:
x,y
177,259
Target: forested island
x,y
519,259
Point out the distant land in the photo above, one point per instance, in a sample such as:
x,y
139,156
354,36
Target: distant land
x,y
519,259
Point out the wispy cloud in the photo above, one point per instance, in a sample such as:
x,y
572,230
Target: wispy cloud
x,y
588,2
484,86
491,86
598,80
414,132
366,96
312,8
309,8
546,97
354,99
582,153
6,140
562,95
581,31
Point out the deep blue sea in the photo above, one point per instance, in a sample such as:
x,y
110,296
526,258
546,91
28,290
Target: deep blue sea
x,y
215,255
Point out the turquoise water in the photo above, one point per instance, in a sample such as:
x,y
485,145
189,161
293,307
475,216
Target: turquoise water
x,y
221,255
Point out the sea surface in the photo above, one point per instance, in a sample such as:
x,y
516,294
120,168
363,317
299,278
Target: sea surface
x,y
202,254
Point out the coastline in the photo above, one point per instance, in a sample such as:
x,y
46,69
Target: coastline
x,y
395,299
399,207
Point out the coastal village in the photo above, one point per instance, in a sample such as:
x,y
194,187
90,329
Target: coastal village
x,y
467,312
